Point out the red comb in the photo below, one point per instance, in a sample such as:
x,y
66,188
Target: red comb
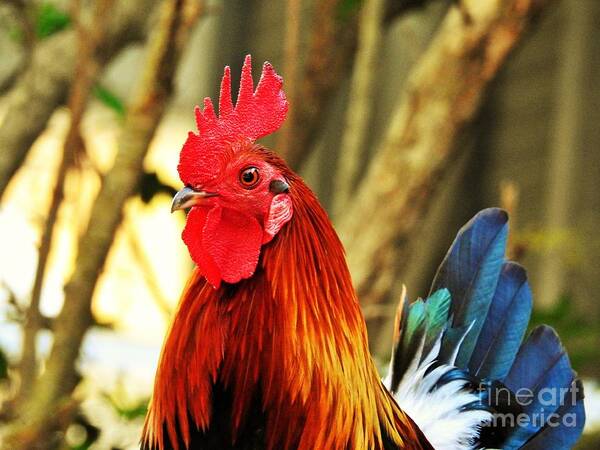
x,y
257,113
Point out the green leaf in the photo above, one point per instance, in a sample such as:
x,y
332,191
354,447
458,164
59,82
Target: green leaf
x,y
131,412
347,8
109,99
138,411
49,20
128,412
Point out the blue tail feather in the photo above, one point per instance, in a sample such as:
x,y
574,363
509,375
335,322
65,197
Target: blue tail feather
x,y
564,429
484,322
470,272
540,388
538,367
504,326
537,355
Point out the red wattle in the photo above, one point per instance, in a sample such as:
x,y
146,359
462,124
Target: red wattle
x,y
196,221
224,243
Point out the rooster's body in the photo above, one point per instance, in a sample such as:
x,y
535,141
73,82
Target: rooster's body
x,y
268,348
289,341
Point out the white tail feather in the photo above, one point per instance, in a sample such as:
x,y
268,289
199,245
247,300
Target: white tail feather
x,y
438,412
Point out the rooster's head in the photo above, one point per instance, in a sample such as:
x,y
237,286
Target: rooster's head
x,y
239,198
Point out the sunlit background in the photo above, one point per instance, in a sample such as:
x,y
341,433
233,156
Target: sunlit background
x,y
145,273
535,134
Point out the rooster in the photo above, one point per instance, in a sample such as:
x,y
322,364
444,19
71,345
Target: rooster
x,y
268,347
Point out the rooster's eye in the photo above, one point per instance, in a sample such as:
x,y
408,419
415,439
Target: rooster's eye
x,y
249,177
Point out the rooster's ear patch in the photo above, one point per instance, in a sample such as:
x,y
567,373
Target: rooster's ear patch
x,y
280,213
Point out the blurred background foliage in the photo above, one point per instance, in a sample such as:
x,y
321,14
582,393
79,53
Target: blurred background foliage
x,y
411,113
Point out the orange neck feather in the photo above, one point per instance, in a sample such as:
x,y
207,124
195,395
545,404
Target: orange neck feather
x,y
293,334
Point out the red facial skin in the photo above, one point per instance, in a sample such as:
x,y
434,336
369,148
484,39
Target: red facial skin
x,y
225,232
253,201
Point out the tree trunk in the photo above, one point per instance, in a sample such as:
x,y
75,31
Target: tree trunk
x,y
360,103
441,97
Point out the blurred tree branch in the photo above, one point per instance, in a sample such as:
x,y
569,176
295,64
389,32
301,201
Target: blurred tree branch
x,y
566,151
509,201
360,103
120,183
290,70
45,83
333,36
442,95
331,46
86,70
23,18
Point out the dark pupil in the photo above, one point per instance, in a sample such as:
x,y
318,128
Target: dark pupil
x,y
249,176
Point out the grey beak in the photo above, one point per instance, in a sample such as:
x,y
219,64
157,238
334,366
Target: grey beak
x,y
188,197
